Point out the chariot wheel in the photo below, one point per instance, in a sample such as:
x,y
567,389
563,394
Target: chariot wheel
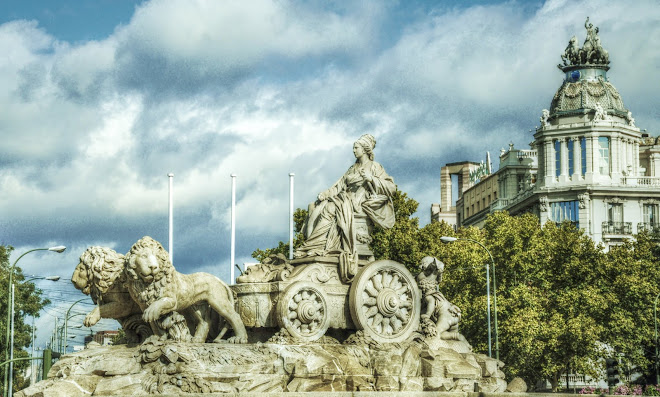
x,y
303,311
385,301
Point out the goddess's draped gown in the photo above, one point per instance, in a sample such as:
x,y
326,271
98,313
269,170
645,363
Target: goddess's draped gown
x,y
329,227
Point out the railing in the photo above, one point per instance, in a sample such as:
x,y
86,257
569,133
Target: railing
x,y
617,227
575,224
642,181
651,227
499,204
527,154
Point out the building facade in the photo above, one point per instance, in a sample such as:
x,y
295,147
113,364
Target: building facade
x,y
588,164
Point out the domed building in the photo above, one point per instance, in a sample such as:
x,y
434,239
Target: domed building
x,y
589,164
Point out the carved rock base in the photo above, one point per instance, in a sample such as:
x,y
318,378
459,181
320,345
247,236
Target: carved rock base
x,y
160,367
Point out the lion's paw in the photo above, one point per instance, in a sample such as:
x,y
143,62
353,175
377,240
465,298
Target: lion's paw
x,y
236,339
91,319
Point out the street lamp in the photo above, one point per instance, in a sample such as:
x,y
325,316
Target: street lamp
x,y
447,240
10,316
32,372
655,322
66,320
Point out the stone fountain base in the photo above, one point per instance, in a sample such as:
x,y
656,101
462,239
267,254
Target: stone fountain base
x,y
167,368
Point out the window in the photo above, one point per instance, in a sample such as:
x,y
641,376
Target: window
x,y
650,214
557,158
570,157
615,212
566,211
604,160
583,154
483,203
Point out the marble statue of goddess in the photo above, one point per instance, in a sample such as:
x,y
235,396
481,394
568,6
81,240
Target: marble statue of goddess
x,y
364,189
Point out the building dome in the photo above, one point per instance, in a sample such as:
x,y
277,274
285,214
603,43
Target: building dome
x,y
583,89
586,88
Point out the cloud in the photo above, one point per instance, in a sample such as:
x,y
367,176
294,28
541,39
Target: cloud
x,y
262,89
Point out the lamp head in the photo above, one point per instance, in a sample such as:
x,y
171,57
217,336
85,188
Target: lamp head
x,y
447,239
59,249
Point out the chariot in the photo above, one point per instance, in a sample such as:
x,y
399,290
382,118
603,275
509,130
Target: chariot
x,y
307,298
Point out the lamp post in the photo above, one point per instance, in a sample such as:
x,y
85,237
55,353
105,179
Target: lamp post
x,y
10,315
446,240
655,322
66,321
32,373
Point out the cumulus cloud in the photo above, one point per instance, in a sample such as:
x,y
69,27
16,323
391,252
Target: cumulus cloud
x,y
204,89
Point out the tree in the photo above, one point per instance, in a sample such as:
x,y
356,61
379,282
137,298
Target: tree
x,y
27,301
299,217
630,281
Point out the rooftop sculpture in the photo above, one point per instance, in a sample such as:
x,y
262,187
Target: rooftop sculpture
x,y
591,53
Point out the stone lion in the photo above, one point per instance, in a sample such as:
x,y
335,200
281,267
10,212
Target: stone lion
x,y
100,274
159,290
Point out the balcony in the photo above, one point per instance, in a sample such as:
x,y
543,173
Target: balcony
x,y
617,227
650,227
641,181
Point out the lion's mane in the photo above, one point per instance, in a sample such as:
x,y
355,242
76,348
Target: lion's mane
x,y
148,292
104,267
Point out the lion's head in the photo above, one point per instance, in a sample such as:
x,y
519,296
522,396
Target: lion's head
x,y
98,270
148,267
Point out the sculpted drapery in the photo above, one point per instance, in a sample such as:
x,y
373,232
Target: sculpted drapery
x,y
364,189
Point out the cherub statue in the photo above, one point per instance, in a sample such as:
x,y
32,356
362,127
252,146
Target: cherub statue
x,y
545,115
439,317
600,114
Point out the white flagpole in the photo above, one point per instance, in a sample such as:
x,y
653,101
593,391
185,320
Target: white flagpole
x,y
233,229
291,176
171,225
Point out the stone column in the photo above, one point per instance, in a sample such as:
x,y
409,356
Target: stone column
x,y
624,155
549,154
615,157
445,189
577,158
563,159
589,142
635,157
654,164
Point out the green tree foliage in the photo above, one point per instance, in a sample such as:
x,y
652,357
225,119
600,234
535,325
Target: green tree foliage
x,y
563,303
28,302
299,217
630,281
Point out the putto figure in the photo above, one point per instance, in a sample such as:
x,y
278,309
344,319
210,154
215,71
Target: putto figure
x,y
439,317
365,189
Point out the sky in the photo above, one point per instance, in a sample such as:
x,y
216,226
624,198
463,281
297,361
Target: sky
x,y
100,100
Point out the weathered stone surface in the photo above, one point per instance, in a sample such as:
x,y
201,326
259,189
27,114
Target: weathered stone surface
x,y
127,385
163,367
387,383
517,385
360,383
489,366
438,383
413,383
387,364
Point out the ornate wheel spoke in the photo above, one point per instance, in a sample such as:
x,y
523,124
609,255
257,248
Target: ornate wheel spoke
x,y
371,311
378,281
385,301
303,311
